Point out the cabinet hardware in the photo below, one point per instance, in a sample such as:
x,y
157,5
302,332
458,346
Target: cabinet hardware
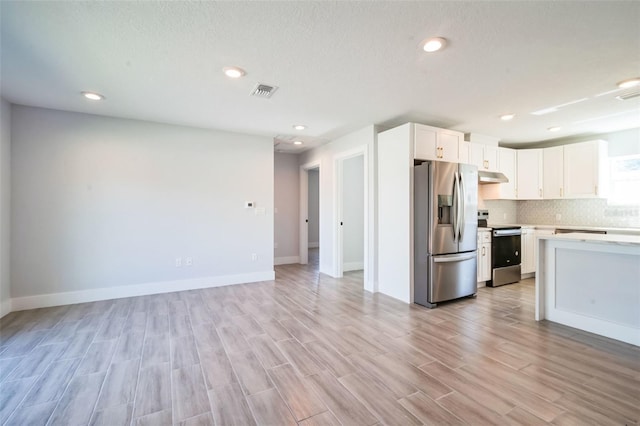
x,y
561,192
483,250
596,190
540,192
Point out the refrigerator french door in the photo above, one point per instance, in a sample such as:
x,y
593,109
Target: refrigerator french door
x,y
445,227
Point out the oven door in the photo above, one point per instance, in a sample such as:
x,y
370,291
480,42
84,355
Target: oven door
x,y
505,247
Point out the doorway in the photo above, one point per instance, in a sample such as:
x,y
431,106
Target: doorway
x,y
310,199
354,203
313,215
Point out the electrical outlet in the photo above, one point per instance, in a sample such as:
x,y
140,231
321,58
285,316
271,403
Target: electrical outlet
x,y
504,216
178,262
558,217
254,256
188,261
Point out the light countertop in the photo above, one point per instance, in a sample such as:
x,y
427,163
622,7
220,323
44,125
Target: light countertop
x,y
610,230
621,239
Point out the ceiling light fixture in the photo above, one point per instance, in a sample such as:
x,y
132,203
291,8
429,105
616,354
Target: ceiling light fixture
x,y
234,72
632,82
433,44
507,117
299,126
93,96
297,142
554,128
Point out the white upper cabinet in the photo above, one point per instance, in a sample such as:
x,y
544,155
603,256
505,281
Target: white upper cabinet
x,y
507,166
485,157
585,169
553,172
529,174
432,143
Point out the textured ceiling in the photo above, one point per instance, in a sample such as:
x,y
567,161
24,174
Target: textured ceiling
x,y
339,65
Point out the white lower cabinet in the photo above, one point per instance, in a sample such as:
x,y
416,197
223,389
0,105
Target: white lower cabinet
x,y
484,256
527,255
529,247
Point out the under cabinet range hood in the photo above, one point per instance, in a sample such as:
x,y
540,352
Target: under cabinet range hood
x,y
491,177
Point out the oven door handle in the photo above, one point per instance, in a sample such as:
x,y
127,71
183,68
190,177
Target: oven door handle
x,y
506,232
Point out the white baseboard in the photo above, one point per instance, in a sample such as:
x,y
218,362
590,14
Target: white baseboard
x,y
287,260
352,266
314,245
5,307
93,295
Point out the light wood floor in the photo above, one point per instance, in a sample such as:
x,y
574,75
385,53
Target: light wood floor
x,y
311,350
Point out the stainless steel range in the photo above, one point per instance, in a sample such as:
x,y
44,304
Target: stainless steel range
x,y
505,251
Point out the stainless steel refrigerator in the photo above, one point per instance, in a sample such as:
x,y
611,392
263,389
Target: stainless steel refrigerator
x,y
445,226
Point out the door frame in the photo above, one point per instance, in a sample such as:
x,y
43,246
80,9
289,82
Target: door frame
x,y
338,166
304,209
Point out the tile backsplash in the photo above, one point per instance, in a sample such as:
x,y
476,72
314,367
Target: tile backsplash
x,y
586,212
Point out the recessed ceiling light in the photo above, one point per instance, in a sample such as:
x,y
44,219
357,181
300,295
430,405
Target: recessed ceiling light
x,y
554,128
297,142
507,117
433,44
632,82
234,72
93,96
299,127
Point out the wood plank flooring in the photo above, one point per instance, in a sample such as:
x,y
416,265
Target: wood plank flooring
x,y
311,350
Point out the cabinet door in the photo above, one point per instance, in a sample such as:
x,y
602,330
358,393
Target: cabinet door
x,y
449,145
491,158
527,247
552,172
476,155
582,169
425,138
507,165
486,261
529,174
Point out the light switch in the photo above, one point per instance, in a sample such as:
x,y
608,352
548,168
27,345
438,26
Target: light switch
x,y
249,204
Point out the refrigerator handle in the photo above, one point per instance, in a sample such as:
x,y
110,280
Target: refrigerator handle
x,y
454,258
461,208
454,207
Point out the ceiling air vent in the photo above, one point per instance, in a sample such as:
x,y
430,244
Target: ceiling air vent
x,y
628,95
263,90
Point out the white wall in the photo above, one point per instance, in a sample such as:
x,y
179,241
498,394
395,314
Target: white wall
x,y
103,202
314,208
353,213
326,156
286,197
5,206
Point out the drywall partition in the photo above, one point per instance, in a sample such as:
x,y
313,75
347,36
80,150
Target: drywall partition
x,y
363,139
5,206
353,214
105,207
286,207
314,208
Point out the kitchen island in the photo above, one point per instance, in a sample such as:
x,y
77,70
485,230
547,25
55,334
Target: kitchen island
x,y
590,282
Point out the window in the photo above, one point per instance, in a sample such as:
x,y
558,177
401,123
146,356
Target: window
x,y
624,180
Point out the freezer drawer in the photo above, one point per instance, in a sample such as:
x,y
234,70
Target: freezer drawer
x,y
450,277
